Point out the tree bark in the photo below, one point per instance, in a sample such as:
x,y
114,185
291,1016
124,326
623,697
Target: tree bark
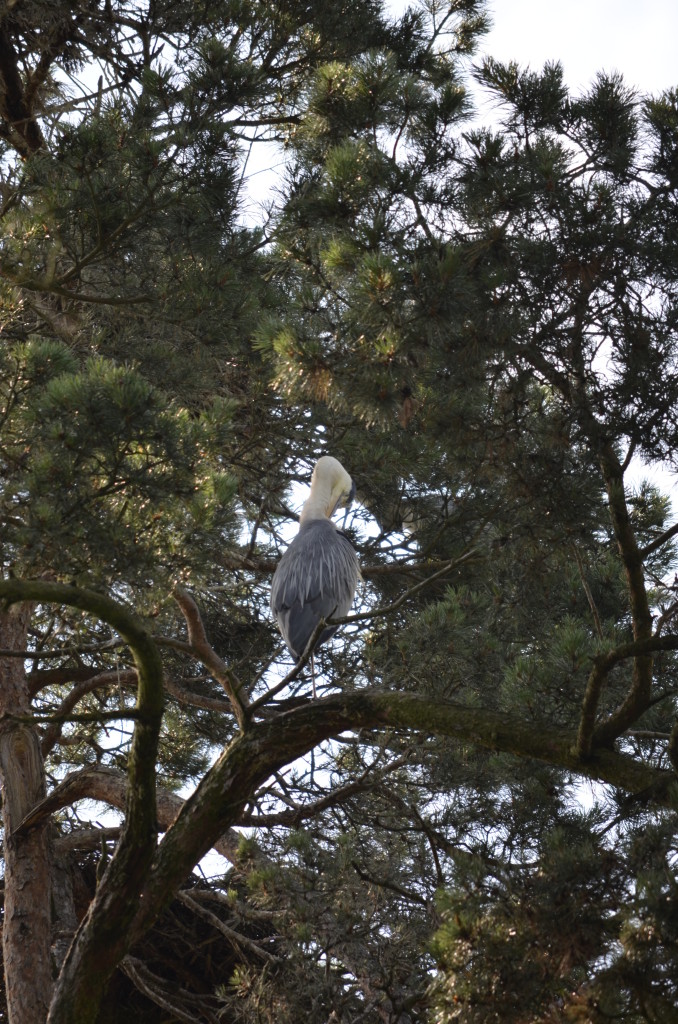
x,y
26,933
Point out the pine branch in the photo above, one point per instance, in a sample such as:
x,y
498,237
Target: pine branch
x,y
587,591
638,697
659,541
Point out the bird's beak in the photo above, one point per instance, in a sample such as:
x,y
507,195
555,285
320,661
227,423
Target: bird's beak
x,y
348,502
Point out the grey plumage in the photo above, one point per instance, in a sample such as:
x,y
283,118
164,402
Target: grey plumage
x,y
317,576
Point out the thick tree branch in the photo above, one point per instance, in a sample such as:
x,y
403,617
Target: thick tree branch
x,y
117,917
252,757
638,697
218,803
588,736
24,130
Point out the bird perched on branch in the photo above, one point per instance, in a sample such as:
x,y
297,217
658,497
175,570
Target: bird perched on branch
x,y
317,576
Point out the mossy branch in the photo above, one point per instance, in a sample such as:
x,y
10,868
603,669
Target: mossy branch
x,y
218,802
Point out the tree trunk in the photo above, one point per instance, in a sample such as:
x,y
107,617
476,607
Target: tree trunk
x,y
26,933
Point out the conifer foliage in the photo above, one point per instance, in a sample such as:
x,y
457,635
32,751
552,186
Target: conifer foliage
x,y
474,820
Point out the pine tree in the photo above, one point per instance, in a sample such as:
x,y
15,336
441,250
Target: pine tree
x,y
480,323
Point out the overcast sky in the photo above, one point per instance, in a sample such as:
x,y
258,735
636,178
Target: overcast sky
x,y
639,39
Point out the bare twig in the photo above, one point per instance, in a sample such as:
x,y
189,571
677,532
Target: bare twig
x,y
294,672
388,609
587,591
61,715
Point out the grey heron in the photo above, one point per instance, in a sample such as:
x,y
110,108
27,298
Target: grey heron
x,y
317,576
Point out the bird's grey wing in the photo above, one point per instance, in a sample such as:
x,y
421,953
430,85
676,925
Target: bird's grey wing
x,y
298,621
316,579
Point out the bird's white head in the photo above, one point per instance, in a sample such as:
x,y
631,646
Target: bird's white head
x,y
331,487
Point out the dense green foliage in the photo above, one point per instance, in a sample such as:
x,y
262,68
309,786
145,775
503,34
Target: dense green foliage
x,y
480,322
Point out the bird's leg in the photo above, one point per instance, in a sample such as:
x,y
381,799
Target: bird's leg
x,y
313,675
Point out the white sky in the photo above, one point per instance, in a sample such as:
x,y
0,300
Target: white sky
x,y
639,39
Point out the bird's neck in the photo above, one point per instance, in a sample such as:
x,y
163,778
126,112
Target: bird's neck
x,y
319,504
